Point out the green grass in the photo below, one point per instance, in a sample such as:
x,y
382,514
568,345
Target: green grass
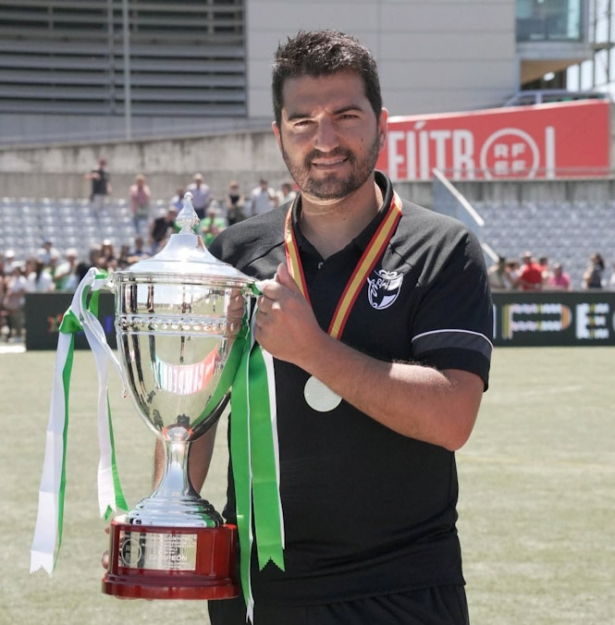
x,y
536,506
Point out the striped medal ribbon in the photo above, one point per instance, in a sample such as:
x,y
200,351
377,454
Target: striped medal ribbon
x,y
318,395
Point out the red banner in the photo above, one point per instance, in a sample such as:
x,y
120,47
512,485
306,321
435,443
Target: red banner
x,y
543,141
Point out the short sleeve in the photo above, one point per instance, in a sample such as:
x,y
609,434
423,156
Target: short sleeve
x,y
454,324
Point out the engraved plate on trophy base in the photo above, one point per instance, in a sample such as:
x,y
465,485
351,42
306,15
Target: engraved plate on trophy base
x,y
153,562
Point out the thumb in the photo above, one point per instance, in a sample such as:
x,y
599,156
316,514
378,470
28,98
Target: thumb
x,y
285,279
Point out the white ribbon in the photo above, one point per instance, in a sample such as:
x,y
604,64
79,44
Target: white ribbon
x,y
49,523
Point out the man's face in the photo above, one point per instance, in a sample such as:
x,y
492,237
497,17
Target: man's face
x,y
329,135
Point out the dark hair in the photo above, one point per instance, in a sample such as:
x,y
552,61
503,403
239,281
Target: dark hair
x,y
322,53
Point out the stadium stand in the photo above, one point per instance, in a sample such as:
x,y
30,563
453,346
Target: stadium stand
x,y
565,232
25,223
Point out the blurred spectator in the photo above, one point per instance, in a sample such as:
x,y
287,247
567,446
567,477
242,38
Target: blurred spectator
x,y
612,279
262,199
40,280
286,194
514,270
592,278
543,261
52,266
101,186
178,199
66,277
234,202
140,197
47,252
138,252
9,261
201,195
123,259
160,229
107,258
499,278
559,280
211,226
93,260
15,300
530,278
3,311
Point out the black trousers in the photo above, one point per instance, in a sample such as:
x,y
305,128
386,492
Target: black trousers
x,y
445,605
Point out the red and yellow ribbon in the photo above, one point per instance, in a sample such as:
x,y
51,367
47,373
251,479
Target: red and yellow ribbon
x,y
366,264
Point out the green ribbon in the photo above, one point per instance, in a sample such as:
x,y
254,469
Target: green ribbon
x,y
255,466
265,487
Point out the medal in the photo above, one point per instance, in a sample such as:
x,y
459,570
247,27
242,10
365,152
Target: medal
x,y
319,396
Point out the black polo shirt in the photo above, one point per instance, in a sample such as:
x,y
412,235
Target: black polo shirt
x,y
368,511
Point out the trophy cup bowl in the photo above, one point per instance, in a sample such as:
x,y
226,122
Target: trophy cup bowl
x,y
180,321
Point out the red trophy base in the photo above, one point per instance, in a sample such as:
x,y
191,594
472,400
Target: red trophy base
x,y
154,562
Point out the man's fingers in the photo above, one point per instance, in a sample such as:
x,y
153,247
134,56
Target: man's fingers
x,y
284,278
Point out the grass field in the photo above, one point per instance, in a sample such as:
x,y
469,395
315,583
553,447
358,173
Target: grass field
x,y
537,501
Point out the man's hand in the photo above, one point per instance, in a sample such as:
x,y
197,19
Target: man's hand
x,y
285,323
105,556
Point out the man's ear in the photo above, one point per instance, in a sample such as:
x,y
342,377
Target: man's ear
x,y
276,132
382,126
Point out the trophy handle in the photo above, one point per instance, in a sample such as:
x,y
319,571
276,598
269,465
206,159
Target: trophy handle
x,y
94,281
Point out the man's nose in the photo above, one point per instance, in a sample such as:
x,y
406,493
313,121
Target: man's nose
x,y
326,138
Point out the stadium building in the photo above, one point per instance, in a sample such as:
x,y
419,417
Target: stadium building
x,y
103,69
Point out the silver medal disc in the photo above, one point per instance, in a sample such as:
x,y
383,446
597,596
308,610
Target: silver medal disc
x,y
319,396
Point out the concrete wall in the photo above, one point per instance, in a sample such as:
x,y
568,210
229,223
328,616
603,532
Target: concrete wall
x,y
436,56
58,170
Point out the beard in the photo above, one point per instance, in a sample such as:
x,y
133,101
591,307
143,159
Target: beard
x,y
332,187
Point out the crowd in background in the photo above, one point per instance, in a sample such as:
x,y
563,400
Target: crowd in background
x,y
52,269
531,274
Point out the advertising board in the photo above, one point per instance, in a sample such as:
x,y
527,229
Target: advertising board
x,y
554,318
545,141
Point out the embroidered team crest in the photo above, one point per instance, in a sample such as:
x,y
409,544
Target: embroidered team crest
x,y
383,288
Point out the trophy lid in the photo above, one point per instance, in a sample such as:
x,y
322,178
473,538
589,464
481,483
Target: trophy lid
x,y
184,258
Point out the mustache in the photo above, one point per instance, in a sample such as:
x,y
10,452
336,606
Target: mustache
x,y
314,154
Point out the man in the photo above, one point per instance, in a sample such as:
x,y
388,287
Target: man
x,y
161,228
499,277
262,198
530,278
138,252
201,195
101,186
285,194
66,277
367,424
211,226
140,196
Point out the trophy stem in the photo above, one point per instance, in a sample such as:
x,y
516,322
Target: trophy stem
x,y
175,480
175,503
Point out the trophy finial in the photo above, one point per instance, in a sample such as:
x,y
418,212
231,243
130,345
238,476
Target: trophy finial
x,y
187,217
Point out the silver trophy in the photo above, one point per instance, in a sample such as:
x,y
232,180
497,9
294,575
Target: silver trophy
x,y
180,319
